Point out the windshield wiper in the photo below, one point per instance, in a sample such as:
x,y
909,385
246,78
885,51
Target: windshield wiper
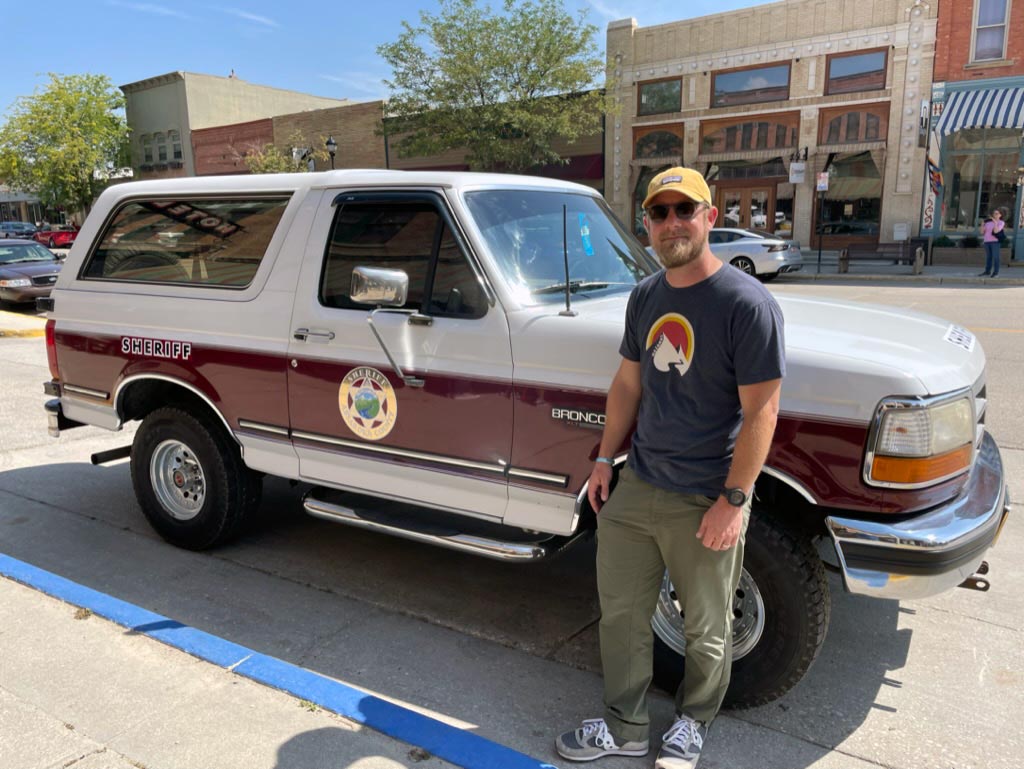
x,y
576,285
34,259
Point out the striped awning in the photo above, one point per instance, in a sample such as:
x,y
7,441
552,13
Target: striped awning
x,y
984,108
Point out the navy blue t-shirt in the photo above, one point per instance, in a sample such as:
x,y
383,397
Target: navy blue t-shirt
x,y
695,346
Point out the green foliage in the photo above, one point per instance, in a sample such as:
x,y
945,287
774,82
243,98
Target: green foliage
x,y
970,241
502,86
943,241
269,159
61,142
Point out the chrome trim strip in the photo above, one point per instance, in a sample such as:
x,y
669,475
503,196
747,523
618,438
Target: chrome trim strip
x,y
262,428
164,378
533,475
69,388
436,458
790,481
909,402
490,548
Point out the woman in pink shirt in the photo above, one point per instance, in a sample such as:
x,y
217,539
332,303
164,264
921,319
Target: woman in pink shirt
x,y
994,224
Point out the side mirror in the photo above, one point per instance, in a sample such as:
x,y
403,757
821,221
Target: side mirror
x,y
384,288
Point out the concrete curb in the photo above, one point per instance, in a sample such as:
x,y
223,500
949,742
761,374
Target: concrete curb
x,y
943,280
13,324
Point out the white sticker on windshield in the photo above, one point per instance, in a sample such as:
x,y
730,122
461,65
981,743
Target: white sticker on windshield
x,y
960,336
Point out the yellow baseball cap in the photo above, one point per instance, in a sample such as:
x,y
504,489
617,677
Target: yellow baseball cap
x,y
683,180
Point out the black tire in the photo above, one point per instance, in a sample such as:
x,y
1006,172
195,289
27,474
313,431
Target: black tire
x,y
190,480
743,264
791,586
53,243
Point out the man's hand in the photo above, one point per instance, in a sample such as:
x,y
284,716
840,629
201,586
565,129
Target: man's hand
x,y
600,485
721,526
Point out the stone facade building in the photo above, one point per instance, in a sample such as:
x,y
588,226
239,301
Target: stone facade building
x,y
763,100
163,111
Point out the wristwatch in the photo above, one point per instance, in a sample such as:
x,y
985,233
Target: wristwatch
x,y
736,497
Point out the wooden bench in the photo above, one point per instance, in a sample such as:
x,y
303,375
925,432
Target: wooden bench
x,y
898,253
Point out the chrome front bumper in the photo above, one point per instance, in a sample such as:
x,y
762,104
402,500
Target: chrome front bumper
x,y
930,553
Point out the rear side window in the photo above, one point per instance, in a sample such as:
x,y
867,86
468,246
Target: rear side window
x,y
213,242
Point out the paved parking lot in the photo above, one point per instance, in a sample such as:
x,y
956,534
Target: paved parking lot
x,y
506,652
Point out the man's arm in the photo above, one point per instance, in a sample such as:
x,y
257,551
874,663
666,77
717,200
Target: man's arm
x,y
722,523
619,414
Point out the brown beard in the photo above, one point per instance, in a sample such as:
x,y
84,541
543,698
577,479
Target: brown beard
x,y
680,253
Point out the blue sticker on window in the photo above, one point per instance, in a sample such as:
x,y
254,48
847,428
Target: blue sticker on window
x,y
588,249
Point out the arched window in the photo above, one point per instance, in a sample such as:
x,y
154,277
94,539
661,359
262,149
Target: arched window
x,y
175,140
845,126
738,135
658,143
161,147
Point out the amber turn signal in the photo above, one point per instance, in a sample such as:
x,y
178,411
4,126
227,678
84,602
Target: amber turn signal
x,y
913,470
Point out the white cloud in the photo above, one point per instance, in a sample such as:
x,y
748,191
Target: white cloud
x,y
609,12
256,19
754,83
159,10
363,82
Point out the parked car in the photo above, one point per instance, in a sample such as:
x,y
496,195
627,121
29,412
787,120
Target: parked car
x,y
57,236
430,353
27,271
17,229
757,253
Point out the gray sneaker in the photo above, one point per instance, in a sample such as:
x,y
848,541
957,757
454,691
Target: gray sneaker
x,y
593,740
681,745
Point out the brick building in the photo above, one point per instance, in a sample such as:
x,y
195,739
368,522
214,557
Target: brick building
x,y
762,100
975,151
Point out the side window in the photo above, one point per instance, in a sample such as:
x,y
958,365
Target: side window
x,y
715,237
194,242
408,235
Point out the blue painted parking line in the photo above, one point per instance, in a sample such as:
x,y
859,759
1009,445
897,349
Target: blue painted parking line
x,y
447,742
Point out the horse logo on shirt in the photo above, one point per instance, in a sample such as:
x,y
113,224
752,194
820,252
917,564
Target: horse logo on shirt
x,y
671,337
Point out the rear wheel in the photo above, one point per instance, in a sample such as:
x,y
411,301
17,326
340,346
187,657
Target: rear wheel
x,y
53,243
780,618
744,264
190,480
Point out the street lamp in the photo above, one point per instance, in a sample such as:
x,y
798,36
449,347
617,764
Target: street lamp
x,y
332,147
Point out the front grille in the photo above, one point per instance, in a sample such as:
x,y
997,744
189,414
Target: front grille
x,y
44,280
980,406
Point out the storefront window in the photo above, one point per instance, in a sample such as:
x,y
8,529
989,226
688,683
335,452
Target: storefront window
x,y
736,135
658,143
853,204
979,175
639,193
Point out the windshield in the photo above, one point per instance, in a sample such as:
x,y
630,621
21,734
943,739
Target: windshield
x,y
25,252
529,233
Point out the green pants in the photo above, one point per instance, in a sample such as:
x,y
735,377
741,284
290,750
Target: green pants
x,y
642,530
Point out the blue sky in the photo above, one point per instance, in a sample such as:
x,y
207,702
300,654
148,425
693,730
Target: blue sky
x,y
322,48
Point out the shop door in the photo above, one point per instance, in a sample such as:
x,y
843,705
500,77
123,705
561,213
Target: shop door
x,y
747,208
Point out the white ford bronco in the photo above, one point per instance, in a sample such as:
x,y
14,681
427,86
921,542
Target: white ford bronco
x,y
431,353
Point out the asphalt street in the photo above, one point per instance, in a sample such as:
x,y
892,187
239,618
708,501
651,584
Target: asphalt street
x,y
504,652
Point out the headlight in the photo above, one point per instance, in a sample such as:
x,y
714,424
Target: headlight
x,y
917,444
16,283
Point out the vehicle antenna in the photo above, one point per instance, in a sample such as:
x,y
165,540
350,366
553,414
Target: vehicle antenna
x,y
568,311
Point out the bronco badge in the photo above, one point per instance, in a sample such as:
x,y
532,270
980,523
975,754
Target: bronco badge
x,y
367,403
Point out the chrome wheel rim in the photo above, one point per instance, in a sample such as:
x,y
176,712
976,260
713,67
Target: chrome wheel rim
x,y
747,617
744,265
178,480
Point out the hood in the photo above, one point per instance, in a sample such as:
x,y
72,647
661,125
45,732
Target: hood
x,y
842,358
29,269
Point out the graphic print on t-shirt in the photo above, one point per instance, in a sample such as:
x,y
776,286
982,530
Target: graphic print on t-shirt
x,y
671,337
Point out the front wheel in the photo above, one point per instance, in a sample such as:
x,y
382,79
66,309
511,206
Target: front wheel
x,y
780,618
190,480
53,243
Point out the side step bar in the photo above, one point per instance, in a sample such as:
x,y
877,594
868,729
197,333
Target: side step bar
x,y
407,527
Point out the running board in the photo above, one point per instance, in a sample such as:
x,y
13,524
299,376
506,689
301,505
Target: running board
x,y
431,526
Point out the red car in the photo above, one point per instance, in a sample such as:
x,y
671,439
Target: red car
x,y
57,235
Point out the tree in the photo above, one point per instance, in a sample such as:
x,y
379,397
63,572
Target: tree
x,y
502,86
268,159
61,142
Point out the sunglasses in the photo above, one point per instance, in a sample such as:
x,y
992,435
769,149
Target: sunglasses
x,y
685,211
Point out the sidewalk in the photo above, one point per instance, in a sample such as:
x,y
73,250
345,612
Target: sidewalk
x,y
885,271
80,692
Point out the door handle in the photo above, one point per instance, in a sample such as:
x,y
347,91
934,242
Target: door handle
x,y
305,334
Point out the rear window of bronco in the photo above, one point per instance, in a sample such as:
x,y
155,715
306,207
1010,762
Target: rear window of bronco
x,y
204,242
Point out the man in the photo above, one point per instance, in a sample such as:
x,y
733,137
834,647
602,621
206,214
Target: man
x,y
702,365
